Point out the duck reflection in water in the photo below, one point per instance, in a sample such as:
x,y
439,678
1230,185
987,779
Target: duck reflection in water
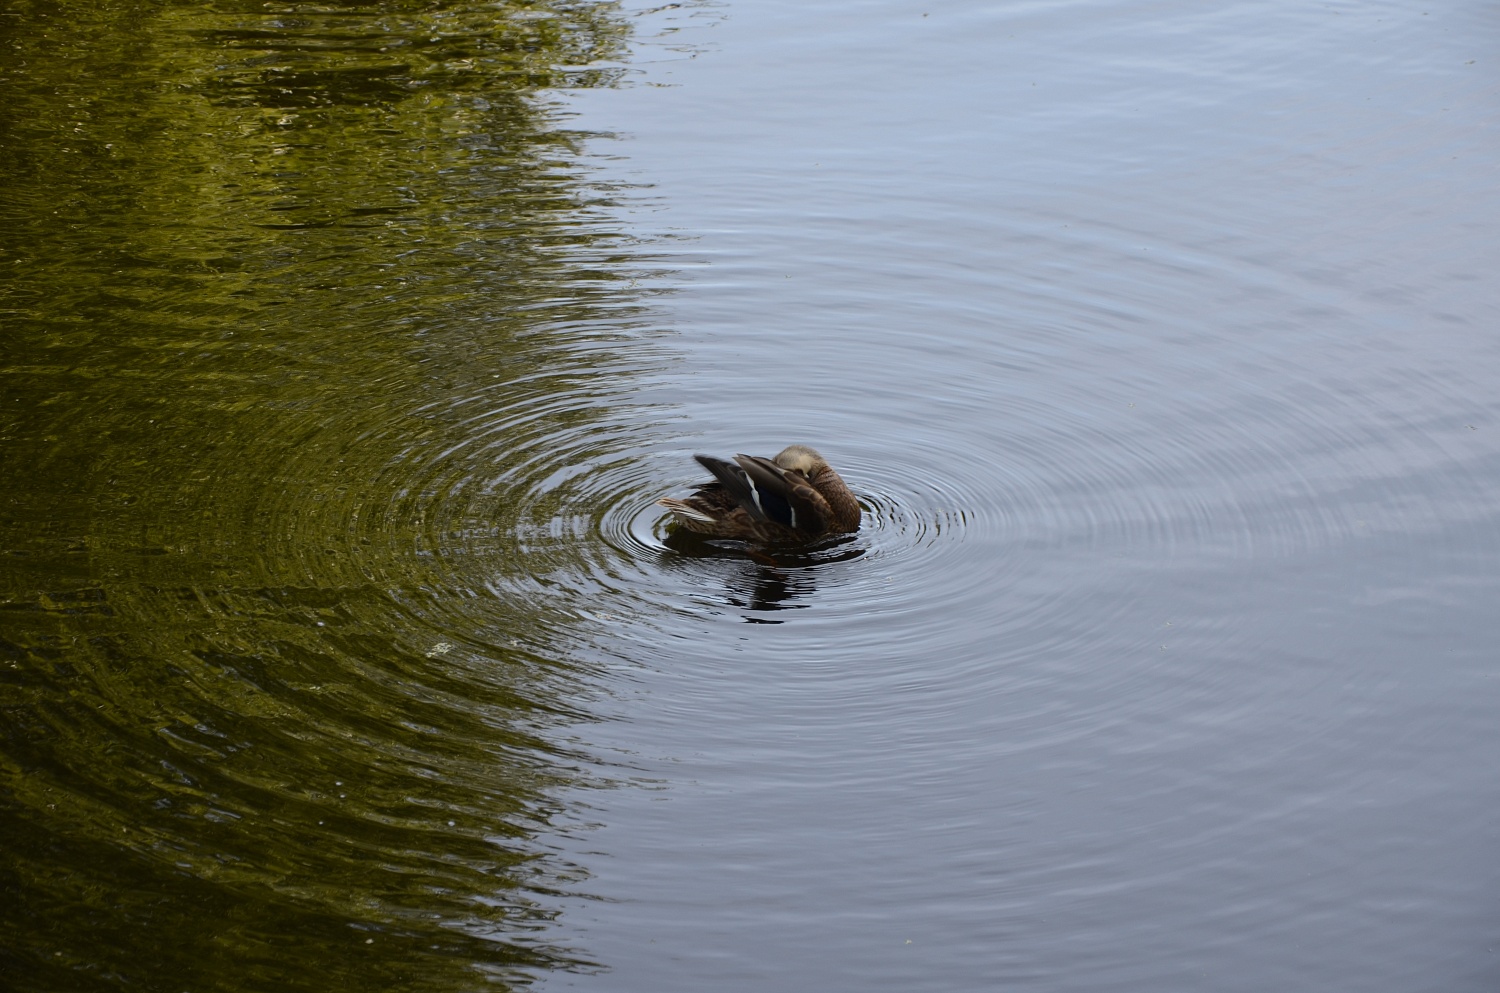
x,y
789,512
763,581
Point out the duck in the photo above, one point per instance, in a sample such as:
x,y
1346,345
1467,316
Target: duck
x,y
793,498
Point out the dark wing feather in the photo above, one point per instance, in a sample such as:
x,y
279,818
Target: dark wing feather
x,y
786,497
736,485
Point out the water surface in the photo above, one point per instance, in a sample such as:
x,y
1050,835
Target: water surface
x,y
1158,341
309,313
349,347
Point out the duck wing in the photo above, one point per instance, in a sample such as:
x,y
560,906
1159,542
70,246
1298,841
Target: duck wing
x,y
733,487
770,494
786,497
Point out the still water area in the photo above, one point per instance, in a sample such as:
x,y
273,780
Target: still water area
x,y
347,347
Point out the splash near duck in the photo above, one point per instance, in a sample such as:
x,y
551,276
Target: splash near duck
x,y
791,499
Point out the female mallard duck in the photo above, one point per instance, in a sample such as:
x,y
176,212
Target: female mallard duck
x,y
793,498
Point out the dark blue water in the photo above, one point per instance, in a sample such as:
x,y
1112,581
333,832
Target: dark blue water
x,y
1159,340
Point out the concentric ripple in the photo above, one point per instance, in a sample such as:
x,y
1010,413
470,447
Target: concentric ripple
x,y
301,385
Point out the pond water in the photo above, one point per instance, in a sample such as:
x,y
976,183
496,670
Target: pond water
x,y
348,348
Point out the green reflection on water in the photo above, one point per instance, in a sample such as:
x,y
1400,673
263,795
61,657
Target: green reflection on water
x,y
293,299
